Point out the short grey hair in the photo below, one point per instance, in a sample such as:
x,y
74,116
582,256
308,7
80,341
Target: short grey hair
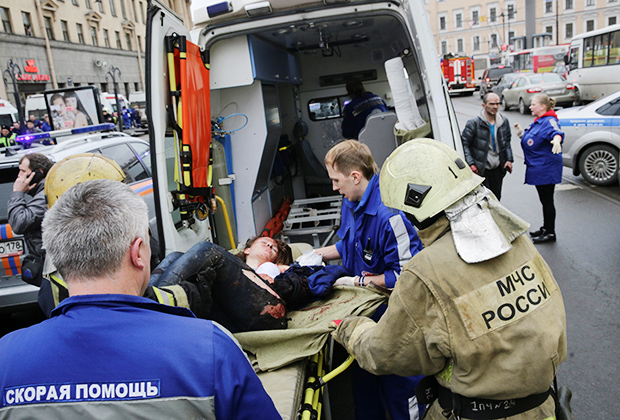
x,y
92,225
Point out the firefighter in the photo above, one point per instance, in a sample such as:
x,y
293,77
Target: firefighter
x,y
488,326
83,167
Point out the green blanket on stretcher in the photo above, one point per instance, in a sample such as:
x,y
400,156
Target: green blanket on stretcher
x,y
308,328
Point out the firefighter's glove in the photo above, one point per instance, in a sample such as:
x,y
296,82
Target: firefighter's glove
x,y
556,145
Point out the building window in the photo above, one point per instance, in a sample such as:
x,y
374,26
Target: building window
x,y
444,47
569,4
100,3
589,25
493,40
128,38
549,29
27,24
65,30
123,11
112,8
106,38
568,31
612,20
49,29
590,3
475,16
87,3
493,14
459,45
511,11
476,43
139,43
442,23
75,3
548,7
118,40
104,87
80,33
93,36
458,20
142,13
6,20
136,86
133,7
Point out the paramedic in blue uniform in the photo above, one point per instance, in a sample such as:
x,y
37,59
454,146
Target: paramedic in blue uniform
x,y
362,104
542,148
375,244
123,356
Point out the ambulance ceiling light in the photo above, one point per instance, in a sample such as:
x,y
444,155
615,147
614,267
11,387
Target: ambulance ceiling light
x,y
219,9
258,9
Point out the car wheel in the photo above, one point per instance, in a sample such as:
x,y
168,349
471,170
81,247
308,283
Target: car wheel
x,y
505,105
599,165
577,100
522,108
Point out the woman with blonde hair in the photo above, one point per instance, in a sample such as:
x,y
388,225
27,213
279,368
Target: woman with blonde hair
x,y
542,148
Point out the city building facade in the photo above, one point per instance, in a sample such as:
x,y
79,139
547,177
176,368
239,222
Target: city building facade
x,y
470,27
51,44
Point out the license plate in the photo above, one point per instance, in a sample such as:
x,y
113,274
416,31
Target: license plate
x,y
554,92
11,247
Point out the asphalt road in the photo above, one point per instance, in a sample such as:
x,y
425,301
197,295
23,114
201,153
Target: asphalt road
x,y
585,263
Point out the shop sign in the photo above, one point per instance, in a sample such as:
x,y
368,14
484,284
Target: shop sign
x,y
30,68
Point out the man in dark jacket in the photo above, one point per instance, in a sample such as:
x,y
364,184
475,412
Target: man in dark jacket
x,y
25,216
486,144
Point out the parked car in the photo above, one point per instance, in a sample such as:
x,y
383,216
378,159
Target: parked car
x,y
523,89
132,154
592,139
505,81
491,76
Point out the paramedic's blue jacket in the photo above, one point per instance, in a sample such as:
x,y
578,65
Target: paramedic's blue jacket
x,y
543,167
120,356
370,229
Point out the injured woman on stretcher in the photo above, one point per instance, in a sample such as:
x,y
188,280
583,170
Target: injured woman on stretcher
x,y
254,290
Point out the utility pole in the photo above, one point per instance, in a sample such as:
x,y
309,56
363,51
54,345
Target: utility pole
x,y
557,23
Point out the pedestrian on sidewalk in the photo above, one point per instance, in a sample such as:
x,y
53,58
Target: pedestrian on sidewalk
x,y
542,148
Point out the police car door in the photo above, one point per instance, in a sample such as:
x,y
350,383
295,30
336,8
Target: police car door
x,y
182,219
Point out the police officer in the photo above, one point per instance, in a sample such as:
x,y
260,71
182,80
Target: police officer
x,y
7,138
488,325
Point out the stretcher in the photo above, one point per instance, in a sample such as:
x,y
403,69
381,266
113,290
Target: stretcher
x,y
295,363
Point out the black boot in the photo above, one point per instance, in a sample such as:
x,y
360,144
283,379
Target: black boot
x,y
545,237
538,233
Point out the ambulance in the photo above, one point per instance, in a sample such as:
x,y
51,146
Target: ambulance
x,y
243,108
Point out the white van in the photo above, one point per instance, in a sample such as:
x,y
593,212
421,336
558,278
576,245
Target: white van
x,y
274,63
270,76
35,105
8,113
108,100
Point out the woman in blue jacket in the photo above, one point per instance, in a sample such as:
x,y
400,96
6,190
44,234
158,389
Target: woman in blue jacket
x,y
542,149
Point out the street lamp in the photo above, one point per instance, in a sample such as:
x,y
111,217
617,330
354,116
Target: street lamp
x,y
11,71
111,74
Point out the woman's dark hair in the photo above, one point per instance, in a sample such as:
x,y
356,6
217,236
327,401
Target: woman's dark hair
x,y
285,254
355,88
79,107
56,96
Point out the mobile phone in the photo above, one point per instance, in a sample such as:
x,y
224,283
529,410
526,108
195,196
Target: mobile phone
x,y
38,176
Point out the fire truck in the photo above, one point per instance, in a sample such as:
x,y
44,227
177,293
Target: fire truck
x,y
458,72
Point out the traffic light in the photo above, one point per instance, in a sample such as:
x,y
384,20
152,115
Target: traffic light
x,y
504,47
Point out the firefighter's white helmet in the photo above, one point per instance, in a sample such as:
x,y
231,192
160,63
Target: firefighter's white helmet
x,y
423,177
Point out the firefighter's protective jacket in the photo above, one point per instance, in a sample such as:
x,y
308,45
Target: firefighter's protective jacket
x,y
493,330
119,356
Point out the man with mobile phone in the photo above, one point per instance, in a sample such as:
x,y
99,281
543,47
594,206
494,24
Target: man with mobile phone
x,y
25,216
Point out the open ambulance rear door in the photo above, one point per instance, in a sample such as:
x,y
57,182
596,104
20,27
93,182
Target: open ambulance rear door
x,y
179,149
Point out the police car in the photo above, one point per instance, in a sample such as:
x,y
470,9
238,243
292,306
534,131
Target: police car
x,y
132,154
592,139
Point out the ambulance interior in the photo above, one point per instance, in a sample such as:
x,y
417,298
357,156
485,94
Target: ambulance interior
x,y
277,92
289,81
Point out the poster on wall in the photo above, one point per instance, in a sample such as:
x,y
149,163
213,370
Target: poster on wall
x,y
73,107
